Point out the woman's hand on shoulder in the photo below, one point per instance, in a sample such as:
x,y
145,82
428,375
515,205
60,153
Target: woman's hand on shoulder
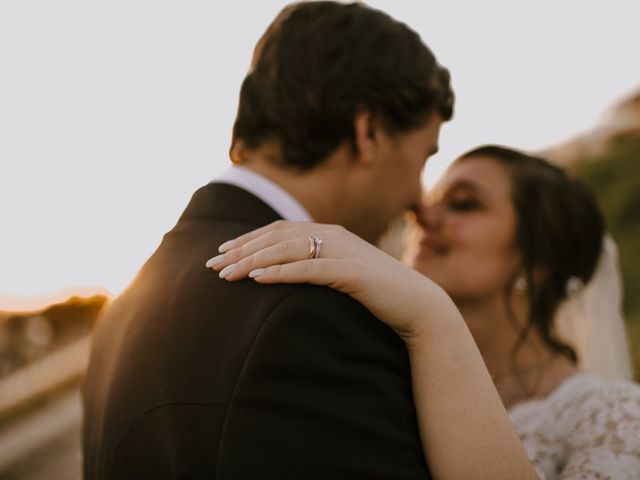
x,y
281,252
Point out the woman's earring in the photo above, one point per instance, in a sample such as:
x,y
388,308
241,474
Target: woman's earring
x,y
574,285
520,285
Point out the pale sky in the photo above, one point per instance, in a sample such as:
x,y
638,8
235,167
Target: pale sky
x,y
112,113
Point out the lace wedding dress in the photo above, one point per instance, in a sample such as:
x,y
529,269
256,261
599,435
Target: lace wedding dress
x,y
588,428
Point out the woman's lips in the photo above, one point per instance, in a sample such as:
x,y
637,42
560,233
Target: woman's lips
x,y
434,246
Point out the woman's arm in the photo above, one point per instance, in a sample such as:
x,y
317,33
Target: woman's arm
x,y
465,430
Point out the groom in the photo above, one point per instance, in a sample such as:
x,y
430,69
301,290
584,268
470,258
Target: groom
x,y
195,377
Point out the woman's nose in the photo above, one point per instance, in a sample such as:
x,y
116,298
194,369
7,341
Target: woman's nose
x,y
429,216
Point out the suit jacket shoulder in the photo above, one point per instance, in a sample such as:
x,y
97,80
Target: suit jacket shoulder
x,y
192,375
325,380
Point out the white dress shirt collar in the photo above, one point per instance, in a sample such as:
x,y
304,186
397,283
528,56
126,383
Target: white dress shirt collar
x,y
269,192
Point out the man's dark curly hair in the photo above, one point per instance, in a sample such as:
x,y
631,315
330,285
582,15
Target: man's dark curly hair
x,y
321,63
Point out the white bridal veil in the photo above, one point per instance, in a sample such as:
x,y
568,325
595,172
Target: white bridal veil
x,y
591,319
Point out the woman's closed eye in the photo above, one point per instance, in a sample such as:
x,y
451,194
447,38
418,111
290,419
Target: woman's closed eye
x,y
464,204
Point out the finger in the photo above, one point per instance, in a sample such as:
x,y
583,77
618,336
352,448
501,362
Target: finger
x,y
259,239
317,271
280,253
247,237
235,255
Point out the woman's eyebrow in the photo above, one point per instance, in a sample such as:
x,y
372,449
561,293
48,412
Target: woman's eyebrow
x,y
469,185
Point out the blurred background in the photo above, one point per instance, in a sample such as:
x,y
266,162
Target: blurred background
x,y
113,113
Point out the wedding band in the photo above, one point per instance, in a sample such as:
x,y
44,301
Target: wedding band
x,y
314,247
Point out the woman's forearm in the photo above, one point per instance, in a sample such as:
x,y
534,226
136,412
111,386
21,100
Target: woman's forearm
x,y
465,429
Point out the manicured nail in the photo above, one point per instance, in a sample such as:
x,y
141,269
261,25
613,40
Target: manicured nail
x,y
257,272
212,262
226,246
228,270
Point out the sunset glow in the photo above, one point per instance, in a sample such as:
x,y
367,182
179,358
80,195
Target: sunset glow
x,y
28,303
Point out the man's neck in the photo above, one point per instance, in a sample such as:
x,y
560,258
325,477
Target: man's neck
x,y
323,191
301,186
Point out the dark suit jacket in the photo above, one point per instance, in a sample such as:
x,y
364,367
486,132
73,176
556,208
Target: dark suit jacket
x,y
194,377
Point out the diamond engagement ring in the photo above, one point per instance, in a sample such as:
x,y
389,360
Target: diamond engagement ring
x,y
314,247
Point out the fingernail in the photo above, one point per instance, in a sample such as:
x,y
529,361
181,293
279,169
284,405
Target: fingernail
x,y
212,262
226,246
257,272
228,270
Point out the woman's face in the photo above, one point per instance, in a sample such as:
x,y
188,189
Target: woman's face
x,y
467,238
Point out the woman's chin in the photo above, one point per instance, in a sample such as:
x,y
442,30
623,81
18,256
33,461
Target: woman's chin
x,y
428,266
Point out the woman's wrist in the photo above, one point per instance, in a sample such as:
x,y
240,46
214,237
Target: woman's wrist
x,y
432,315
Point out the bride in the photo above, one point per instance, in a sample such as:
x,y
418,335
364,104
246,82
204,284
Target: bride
x,y
511,266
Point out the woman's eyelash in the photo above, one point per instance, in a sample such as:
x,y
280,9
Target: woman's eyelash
x,y
463,204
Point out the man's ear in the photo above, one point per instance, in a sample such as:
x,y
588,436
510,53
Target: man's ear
x,y
365,140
